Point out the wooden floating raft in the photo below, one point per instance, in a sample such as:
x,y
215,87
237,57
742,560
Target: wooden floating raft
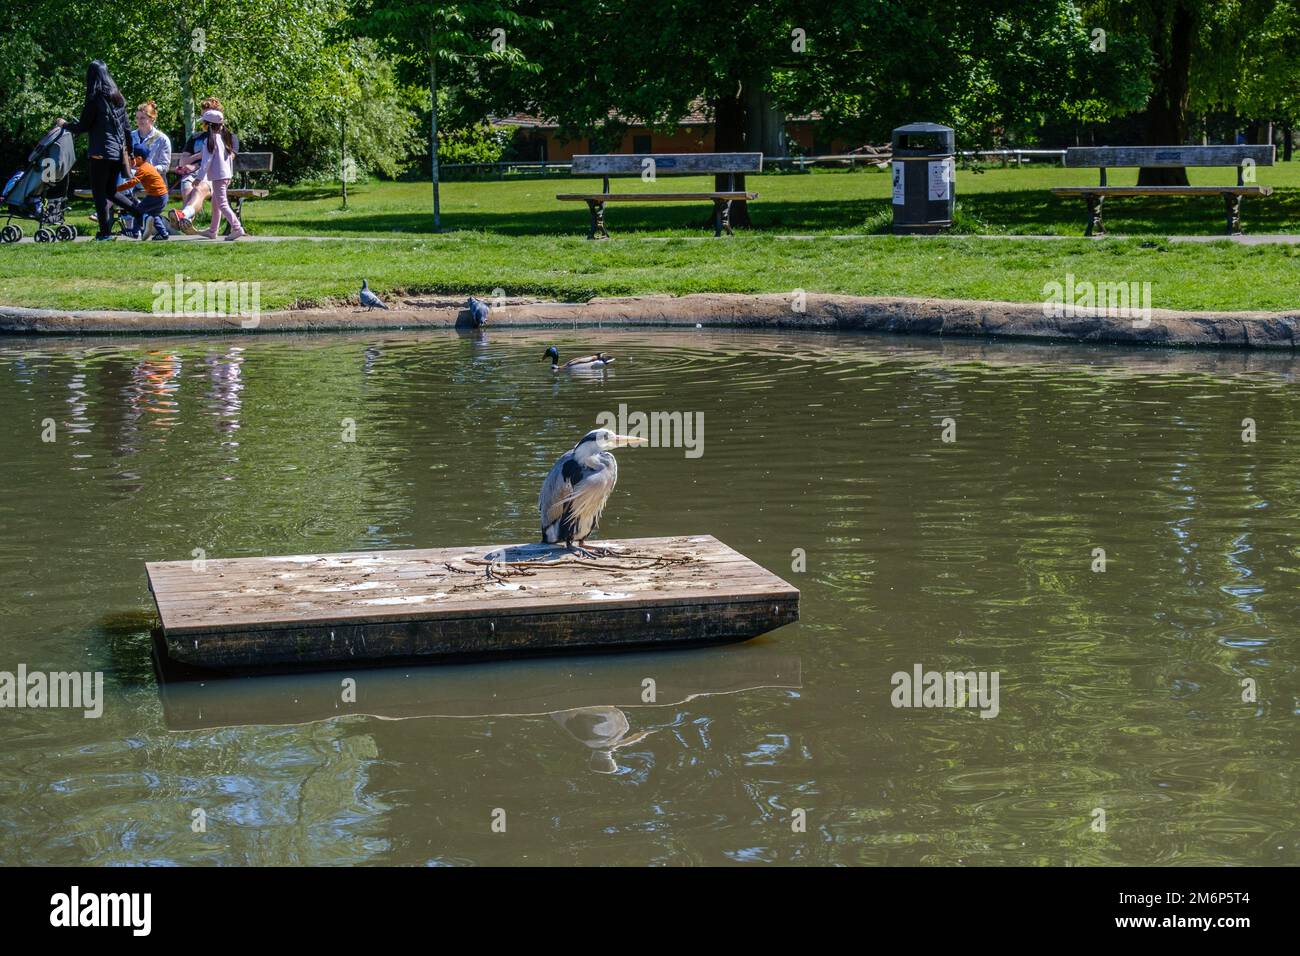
x,y
436,604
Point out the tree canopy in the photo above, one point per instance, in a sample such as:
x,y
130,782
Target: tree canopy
x,y
312,79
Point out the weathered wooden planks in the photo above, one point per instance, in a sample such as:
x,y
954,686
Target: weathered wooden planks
x,y
372,606
177,194
1162,190
1163,156
254,162
666,164
652,197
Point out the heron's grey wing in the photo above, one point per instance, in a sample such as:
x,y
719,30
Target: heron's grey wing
x,y
556,488
588,497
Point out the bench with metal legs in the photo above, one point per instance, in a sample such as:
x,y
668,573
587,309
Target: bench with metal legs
x,y
1244,158
650,166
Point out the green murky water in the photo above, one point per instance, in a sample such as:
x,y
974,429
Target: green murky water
x,y
1120,690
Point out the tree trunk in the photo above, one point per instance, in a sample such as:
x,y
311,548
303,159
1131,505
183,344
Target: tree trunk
x,y
343,155
187,102
729,137
186,72
1286,144
764,123
433,136
1166,113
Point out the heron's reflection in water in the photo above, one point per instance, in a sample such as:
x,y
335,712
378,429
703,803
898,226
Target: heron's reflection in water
x,y
590,697
603,729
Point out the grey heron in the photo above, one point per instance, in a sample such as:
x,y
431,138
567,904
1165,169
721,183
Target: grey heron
x,y
599,360
575,492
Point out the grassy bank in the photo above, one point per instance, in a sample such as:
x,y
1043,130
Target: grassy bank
x,y
1010,201
516,236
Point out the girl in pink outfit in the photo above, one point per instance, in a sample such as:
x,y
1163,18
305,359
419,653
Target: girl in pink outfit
x,y
218,167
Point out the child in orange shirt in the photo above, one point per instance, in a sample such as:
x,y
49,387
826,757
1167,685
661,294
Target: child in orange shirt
x,y
148,211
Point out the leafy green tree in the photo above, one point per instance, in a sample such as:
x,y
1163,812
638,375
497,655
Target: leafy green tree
x,y
366,121
441,34
982,66
1171,28
263,55
1209,54
992,69
274,64
611,61
1260,74
42,68
474,144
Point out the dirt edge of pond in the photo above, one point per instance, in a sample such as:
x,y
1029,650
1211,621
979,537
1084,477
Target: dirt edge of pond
x,y
836,313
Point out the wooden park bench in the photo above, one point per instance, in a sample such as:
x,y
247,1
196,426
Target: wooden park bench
x,y
664,164
1148,157
245,163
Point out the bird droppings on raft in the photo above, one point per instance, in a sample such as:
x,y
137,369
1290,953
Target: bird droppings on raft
x,y
447,603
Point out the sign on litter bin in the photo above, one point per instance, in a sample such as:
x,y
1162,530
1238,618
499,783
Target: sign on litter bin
x,y
941,177
924,170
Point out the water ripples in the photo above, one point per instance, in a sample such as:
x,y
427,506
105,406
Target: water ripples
x,y
1120,688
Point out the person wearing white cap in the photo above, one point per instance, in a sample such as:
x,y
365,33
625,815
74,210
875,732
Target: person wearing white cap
x,y
194,189
218,166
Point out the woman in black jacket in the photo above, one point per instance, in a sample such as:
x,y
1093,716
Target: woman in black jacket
x,y
103,118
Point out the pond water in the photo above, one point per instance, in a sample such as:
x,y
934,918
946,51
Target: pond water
x,y
1119,690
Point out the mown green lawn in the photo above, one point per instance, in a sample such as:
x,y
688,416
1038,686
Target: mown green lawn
x,y
515,236
995,201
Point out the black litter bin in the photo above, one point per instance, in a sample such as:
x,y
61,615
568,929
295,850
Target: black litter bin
x,y
924,169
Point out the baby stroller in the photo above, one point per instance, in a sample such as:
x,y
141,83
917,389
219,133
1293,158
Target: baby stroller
x,y
39,192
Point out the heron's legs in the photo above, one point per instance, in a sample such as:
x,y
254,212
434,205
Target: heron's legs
x,y
587,552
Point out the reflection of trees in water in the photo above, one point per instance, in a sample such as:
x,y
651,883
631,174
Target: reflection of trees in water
x,y
296,796
454,742
121,790
1120,689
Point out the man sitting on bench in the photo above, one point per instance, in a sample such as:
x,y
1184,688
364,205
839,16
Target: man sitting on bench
x,y
195,192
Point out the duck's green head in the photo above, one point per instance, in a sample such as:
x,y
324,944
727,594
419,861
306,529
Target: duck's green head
x,y
553,354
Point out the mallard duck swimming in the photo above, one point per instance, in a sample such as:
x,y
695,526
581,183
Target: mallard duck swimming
x,y
599,360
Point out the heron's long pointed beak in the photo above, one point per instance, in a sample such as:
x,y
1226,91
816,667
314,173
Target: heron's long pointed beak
x,y
622,441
